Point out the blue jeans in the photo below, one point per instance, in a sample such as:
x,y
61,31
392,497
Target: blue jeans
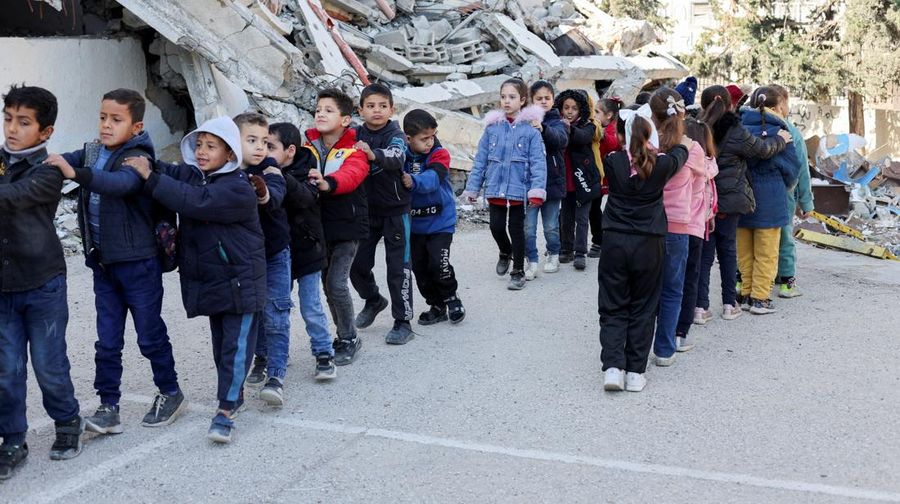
x,y
134,286
309,293
550,220
274,336
34,320
722,243
674,265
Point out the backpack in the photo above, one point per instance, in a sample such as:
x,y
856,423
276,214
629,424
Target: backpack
x,y
166,230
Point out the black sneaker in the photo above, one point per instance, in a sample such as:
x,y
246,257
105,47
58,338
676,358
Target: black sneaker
x,y
456,310
258,371
516,281
594,253
220,428
370,311
400,334
68,439
566,257
503,265
273,392
10,457
165,409
434,315
580,262
742,301
345,350
325,369
104,421
762,306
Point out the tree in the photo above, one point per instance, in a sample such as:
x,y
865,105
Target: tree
x,y
647,10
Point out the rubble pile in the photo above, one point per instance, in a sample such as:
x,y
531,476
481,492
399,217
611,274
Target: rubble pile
x,y
67,226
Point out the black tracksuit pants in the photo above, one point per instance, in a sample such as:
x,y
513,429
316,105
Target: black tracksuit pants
x,y
691,282
395,230
630,278
596,218
233,343
431,264
513,244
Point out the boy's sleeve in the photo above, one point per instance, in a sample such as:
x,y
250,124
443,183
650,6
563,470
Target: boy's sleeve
x,y
43,187
298,195
350,175
226,203
437,170
537,168
122,182
75,159
392,157
476,176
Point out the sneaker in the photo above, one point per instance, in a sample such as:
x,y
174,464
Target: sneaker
x,y
258,371
530,270
104,421
434,315
738,284
580,263
325,369
400,334
273,392
701,316
789,289
365,317
165,409
10,457
731,312
614,380
345,350
684,342
456,310
220,428
665,361
566,257
594,252
635,382
516,281
762,307
743,301
68,439
552,264
503,265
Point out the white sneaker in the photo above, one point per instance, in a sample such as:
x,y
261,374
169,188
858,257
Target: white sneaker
x,y
684,343
666,361
731,312
530,270
614,379
701,316
635,382
552,264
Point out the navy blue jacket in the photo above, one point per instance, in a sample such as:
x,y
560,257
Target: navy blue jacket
x,y
556,138
433,200
221,248
127,220
384,185
769,178
272,215
304,216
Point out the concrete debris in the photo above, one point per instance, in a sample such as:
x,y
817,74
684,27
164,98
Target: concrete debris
x,y
67,226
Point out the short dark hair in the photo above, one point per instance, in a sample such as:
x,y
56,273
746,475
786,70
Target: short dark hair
x,y
376,89
287,134
344,102
130,98
417,121
642,98
251,118
36,98
538,85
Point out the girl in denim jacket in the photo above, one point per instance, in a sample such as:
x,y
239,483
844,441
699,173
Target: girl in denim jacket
x,y
511,166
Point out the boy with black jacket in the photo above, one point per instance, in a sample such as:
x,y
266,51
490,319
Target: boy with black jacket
x,y
221,251
33,308
118,229
384,143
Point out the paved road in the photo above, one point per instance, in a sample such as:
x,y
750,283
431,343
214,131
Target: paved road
x,y
799,406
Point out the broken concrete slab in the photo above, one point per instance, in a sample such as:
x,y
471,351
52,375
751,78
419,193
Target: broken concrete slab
x,y
517,40
456,95
389,60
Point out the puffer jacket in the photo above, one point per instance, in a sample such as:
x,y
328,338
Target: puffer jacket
x,y
735,146
304,216
582,172
556,137
433,200
770,178
511,163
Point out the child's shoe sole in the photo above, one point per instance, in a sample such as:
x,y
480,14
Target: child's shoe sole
x,y
96,429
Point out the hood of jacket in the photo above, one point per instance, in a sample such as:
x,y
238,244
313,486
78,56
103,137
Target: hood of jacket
x,y
585,108
526,115
141,141
222,127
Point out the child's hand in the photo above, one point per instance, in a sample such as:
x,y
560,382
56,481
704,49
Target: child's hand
x,y
712,224
62,165
262,190
363,146
786,136
407,181
316,179
537,125
140,164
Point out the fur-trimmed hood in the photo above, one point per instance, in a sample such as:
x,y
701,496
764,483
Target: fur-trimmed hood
x,y
527,114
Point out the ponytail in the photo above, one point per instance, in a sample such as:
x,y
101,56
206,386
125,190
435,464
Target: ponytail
x,y
762,98
643,158
716,102
667,106
612,106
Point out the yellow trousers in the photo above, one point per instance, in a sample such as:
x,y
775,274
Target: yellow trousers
x,y
757,251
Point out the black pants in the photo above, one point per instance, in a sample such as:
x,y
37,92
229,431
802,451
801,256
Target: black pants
x,y
512,244
691,280
395,231
574,225
233,342
630,278
431,264
596,219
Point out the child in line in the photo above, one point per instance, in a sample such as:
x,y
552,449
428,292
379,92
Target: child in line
x,y
384,143
556,136
273,339
221,252
307,239
340,171
427,176
759,232
631,261
118,230
33,307
583,176
608,114
511,165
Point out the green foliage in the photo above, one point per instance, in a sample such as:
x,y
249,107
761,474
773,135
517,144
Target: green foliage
x,y
647,10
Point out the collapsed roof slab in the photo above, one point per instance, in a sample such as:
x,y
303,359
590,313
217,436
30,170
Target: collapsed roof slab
x,y
456,95
628,74
459,133
518,40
